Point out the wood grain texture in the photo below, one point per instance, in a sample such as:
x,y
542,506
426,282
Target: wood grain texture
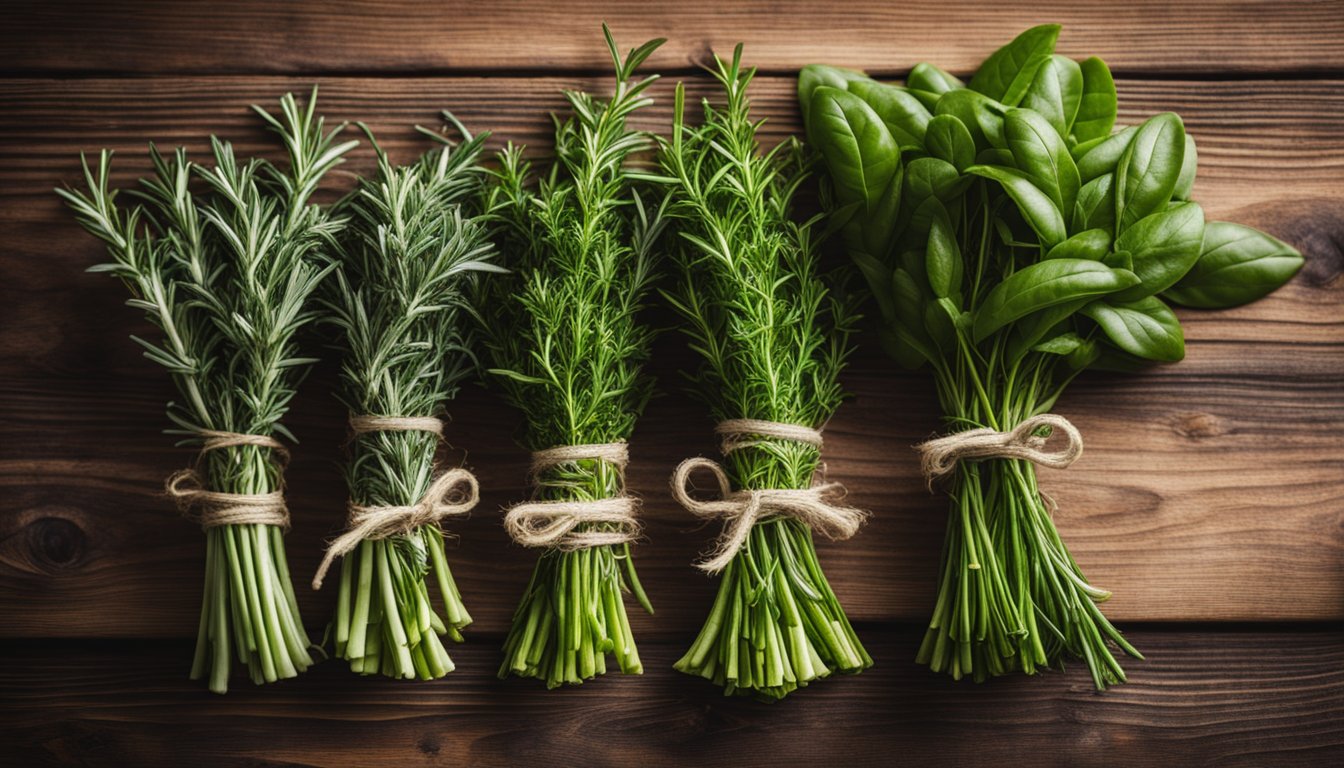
x,y
1224,470
408,37
1201,698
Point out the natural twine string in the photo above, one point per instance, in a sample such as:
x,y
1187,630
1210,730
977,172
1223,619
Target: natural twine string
x,y
940,455
212,509
817,507
559,524
454,492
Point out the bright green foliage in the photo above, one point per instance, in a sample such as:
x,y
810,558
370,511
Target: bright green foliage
x,y
226,276
1070,240
773,342
568,351
399,302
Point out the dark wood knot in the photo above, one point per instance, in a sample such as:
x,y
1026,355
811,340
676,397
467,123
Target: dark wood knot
x,y
55,543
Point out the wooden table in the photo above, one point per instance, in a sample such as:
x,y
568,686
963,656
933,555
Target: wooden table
x,y
1211,498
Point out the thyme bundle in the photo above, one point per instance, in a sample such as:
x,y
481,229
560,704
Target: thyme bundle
x,y
773,341
568,349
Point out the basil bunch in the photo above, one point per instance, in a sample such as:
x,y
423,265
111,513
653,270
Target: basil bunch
x,y
1012,239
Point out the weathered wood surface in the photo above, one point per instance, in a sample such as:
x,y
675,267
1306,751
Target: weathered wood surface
x,y
1201,698
408,36
1225,469
1212,491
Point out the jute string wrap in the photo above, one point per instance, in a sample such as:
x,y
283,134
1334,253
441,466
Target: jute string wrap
x,y
560,524
817,507
941,455
454,492
212,509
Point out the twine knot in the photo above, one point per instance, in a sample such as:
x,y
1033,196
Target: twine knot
x,y
941,455
453,493
211,509
817,507
561,524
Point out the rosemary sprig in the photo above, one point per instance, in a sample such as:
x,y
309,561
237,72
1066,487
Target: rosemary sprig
x,y
568,351
226,276
773,341
399,302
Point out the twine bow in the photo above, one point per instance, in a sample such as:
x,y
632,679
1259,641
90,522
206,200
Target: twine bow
x,y
817,507
941,455
212,509
453,493
563,525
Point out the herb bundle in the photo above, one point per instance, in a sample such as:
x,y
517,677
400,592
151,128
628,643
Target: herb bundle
x,y
226,276
1012,239
568,349
412,247
773,341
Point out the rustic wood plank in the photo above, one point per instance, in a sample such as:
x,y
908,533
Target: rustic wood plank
x,y
1201,698
403,36
1221,475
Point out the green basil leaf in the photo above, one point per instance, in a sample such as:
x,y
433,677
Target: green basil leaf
x,y
814,76
1046,284
928,84
1119,260
1165,246
1146,328
940,326
1029,330
942,258
1092,244
1097,109
859,151
910,299
1040,154
1149,169
927,177
994,156
1007,73
1103,156
1056,92
982,116
1063,344
1095,208
902,113
948,139
1185,183
1035,206
1237,265
931,79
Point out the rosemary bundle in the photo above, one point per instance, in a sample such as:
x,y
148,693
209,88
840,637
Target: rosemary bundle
x,y
569,350
226,276
774,340
411,249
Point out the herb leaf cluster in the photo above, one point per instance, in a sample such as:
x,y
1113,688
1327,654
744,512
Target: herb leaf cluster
x,y
773,340
568,349
224,259
400,304
1013,238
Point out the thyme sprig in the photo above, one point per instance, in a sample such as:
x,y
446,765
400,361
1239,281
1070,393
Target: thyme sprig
x,y
773,340
568,351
